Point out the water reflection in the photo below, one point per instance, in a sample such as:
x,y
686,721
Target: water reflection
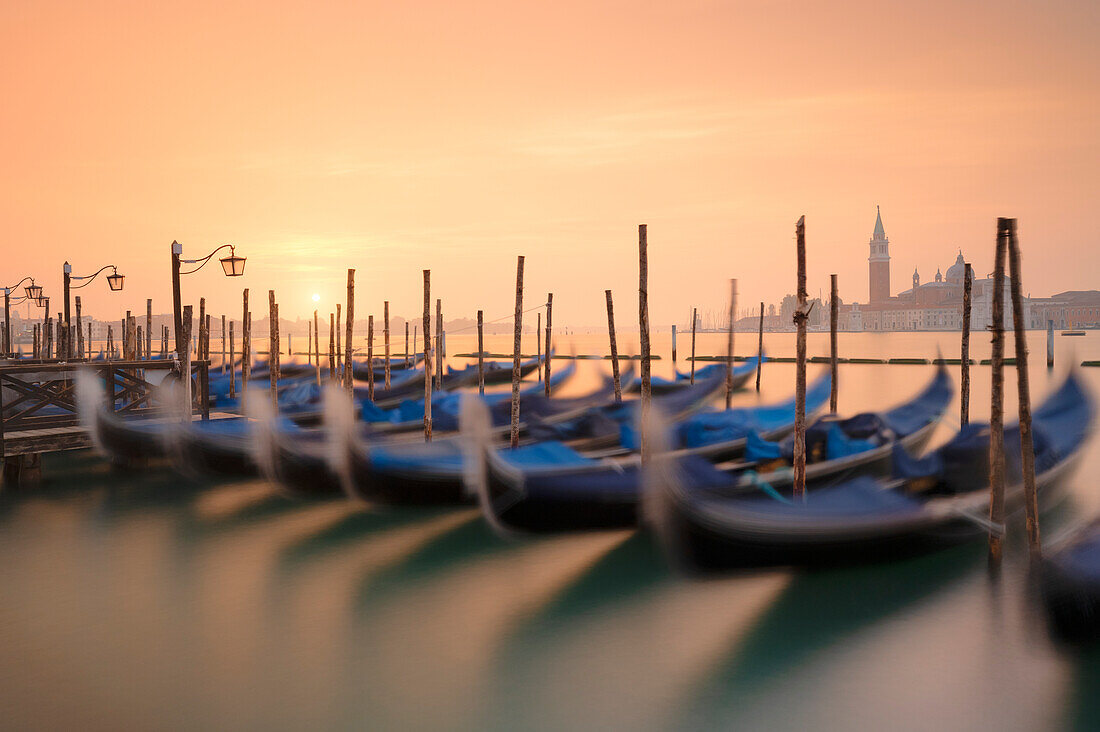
x,y
152,600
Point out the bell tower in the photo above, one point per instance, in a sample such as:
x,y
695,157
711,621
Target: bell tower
x,y
878,263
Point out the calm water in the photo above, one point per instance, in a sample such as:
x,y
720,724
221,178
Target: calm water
x,y
152,601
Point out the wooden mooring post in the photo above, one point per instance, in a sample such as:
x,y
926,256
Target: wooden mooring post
x,y
643,328
204,382
184,354
349,367
518,333
996,410
149,328
386,336
224,336
438,344
694,320
480,352
332,348
273,347
232,365
370,357
673,350
834,371
964,360
407,362
729,343
317,346
549,330
79,333
202,329
800,318
427,355
339,346
538,343
1049,343
132,338
1027,445
614,347
760,348
246,347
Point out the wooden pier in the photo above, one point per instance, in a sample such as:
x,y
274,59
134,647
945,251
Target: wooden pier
x,y
38,409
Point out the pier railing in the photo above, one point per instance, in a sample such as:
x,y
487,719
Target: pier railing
x,y
38,410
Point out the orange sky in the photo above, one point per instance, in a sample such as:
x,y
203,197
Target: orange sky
x,y
391,137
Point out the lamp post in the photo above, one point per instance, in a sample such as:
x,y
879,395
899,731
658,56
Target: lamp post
x,y
114,283
44,303
32,292
233,266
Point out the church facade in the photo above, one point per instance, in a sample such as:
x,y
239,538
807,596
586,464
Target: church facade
x,y
933,305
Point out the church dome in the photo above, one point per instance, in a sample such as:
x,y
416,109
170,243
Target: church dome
x,y
957,271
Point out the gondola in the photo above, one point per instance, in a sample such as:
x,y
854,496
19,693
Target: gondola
x,y
408,416
606,493
609,429
299,460
127,441
723,434
217,445
212,447
1069,583
412,386
741,374
837,449
225,447
930,503
415,472
361,370
295,459
406,384
495,372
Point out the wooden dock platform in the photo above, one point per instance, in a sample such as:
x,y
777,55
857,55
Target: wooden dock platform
x,y
38,410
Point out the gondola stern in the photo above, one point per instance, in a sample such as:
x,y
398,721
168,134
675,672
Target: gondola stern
x,y
478,464
341,438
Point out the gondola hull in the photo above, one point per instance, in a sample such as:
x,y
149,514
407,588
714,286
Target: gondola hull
x,y
706,547
534,507
607,496
1070,588
302,470
221,455
126,442
377,484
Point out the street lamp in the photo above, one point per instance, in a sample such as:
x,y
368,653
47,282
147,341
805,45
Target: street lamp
x,y
114,283
233,266
33,292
